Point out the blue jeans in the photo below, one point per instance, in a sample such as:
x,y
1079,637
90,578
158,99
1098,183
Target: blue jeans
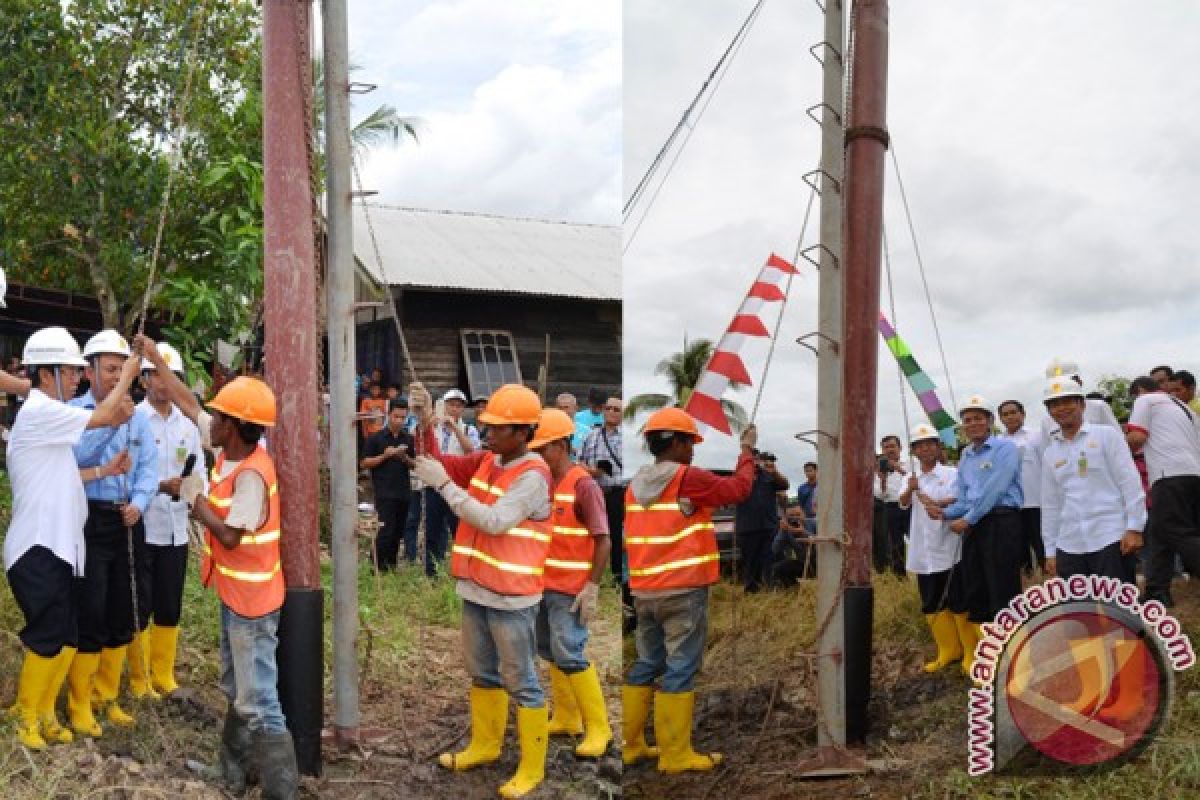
x,y
440,524
500,649
248,671
671,632
561,637
411,524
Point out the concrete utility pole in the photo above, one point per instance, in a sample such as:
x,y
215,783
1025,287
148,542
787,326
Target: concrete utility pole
x,y
290,320
340,293
866,146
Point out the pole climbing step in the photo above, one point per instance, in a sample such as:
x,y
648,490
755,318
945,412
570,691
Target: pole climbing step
x,y
810,179
816,263
807,437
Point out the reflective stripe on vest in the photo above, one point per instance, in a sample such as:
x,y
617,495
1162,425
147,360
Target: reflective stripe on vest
x,y
513,561
666,548
249,576
573,549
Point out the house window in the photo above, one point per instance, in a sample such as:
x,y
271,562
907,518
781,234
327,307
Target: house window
x,y
491,359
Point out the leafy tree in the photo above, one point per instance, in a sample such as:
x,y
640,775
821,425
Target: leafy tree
x,y
682,370
1116,389
91,117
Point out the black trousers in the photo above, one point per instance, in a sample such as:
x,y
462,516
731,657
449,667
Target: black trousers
x,y
166,569
393,513
1174,528
44,588
1106,562
1031,528
879,537
104,591
897,528
991,563
755,549
614,508
942,591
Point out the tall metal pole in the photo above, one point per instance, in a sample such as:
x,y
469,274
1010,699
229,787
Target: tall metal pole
x,y
831,690
340,294
290,322
866,146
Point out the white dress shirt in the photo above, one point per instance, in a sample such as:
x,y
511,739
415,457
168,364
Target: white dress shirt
x,y
1030,445
1091,492
175,438
1172,439
896,481
931,545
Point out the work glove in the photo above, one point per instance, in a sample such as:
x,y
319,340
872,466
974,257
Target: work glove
x,y
421,402
430,471
190,488
585,602
750,437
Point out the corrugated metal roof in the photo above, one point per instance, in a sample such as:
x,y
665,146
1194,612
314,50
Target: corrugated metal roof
x,y
480,252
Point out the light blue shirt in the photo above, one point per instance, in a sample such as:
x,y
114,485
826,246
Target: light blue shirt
x,y
100,445
988,476
585,421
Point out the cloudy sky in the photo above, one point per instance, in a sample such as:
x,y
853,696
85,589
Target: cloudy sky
x,y
521,102
1048,151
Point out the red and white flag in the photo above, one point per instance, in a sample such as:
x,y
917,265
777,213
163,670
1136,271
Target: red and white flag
x,y
725,365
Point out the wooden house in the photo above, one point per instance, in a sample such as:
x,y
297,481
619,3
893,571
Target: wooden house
x,y
486,300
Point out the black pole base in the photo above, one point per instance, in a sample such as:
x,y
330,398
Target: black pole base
x,y
859,605
301,673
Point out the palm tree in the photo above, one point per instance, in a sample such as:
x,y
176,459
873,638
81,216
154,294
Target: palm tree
x,y
382,126
682,370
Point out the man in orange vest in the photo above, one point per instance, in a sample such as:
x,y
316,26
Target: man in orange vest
x,y
673,559
579,551
502,499
242,561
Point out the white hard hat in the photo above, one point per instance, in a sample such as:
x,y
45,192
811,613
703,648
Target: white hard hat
x,y
922,432
975,403
170,355
454,394
1061,387
1061,367
107,342
52,347
3,288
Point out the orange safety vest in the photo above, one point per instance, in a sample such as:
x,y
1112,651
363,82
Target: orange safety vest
x,y
668,549
249,577
569,563
508,563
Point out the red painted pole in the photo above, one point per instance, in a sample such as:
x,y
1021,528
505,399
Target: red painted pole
x,y
290,321
290,315
866,146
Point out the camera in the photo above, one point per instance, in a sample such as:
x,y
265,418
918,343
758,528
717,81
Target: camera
x,y
885,466
605,466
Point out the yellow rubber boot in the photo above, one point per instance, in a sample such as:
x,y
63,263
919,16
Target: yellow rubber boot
x,y
80,681
489,715
945,636
597,732
139,668
673,730
566,719
531,733
635,710
52,729
108,683
968,637
164,641
36,673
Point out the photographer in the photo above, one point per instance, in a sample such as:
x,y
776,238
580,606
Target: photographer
x,y
891,521
757,520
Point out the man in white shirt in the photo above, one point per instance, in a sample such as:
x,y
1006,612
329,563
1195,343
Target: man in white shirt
x,y
933,551
177,441
1166,428
890,478
1030,445
44,546
1093,508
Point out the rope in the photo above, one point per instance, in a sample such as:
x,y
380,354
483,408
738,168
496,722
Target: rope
x,y
921,267
887,260
172,170
726,59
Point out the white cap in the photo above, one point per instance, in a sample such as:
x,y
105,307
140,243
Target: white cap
x,y
107,342
922,432
454,394
1061,387
1061,367
975,402
51,347
170,355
